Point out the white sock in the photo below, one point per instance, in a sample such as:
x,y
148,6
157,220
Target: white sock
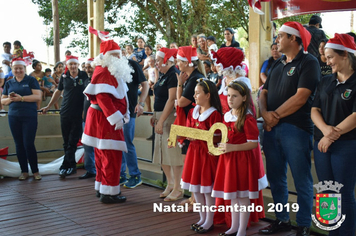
x,y
199,198
244,216
235,218
209,201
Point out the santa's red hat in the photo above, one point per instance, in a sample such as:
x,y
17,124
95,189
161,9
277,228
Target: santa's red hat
x,y
109,47
187,53
18,61
297,29
168,54
342,42
229,58
71,58
89,61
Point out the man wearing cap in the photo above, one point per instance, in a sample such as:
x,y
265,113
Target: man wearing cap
x,y
89,159
72,85
317,34
285,105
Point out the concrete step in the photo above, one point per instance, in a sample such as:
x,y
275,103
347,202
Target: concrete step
x,y
143,128
143,148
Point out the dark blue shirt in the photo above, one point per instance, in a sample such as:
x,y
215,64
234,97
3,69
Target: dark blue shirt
x,y
23,88
140,55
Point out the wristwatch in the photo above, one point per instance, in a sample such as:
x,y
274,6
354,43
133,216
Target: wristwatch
x,y
142,104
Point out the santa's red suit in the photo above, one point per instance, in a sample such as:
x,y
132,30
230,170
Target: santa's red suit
x,y
103,128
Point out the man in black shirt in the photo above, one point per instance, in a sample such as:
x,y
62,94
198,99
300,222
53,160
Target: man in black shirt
x,y
316,34
285,104
72,84
130,158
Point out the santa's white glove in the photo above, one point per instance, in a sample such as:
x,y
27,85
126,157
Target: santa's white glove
x,y
126,118
119,124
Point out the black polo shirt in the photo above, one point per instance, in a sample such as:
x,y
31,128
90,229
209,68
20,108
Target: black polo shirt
x,y
72,104
137,78
285,79
189,87
161,88
336,101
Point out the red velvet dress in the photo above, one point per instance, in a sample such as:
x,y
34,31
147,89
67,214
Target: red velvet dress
x,y
238,173
200,167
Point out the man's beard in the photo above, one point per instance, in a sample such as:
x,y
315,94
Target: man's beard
x,y
118,67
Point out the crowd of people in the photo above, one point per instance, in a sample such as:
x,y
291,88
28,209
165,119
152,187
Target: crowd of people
x,y
304,97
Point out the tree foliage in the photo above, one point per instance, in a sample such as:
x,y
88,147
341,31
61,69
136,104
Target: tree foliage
x,y
303,19
176,20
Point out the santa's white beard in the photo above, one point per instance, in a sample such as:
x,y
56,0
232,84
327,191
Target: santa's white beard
x,y
118,67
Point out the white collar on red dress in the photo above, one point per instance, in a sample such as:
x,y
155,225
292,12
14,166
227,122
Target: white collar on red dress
x,y
229,117
203,116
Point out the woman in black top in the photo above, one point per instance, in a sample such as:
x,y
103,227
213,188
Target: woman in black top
x,y
334,115
165,90
230,39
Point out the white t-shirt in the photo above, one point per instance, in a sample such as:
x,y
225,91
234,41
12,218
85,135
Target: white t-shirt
x,y
152,74
5,68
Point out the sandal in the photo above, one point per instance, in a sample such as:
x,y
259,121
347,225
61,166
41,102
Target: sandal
x,y
37,176
23,176
166,192
169,198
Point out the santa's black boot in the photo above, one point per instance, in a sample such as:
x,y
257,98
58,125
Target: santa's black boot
x,y
112,198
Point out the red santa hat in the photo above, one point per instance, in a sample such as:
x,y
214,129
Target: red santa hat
x,y
71,58
298,30
109,47
187,53
342,42
89,61
229,58
18,61
168,54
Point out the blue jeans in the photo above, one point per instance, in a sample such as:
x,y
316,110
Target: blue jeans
x,y
288,144
130,158
89,158
338,164
23,129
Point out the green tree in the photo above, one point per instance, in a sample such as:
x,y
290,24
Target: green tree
x,y
303,19
176,20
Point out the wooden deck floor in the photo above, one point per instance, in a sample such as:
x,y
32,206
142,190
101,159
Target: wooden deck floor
x,y
69,207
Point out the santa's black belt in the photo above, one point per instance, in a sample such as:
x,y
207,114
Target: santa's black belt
x,y
96,107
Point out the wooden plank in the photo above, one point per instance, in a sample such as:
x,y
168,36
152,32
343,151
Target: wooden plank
x,y
69,207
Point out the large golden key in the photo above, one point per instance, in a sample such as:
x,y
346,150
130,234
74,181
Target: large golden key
x,y
204,135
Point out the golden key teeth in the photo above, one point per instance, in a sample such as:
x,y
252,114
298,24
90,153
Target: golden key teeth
x,y
199,134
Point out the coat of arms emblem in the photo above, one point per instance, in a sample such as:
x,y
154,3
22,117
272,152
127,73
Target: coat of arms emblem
x,y
328,206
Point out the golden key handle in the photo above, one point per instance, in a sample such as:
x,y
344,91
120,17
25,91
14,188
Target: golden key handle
x,y
204,135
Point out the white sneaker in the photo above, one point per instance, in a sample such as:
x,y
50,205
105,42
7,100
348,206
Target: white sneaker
x,y
2,114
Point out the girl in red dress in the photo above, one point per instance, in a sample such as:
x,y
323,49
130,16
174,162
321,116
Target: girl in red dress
x,y
200,167
238,177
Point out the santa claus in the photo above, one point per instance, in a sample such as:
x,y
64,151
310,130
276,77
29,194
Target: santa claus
x,y
106,116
